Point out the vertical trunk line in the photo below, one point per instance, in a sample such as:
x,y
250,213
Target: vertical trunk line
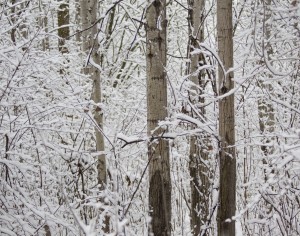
x,y
63,18
89,10
198,154
158,151
227,159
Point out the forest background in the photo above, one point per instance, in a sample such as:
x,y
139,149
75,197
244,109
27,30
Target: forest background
x,y
77,147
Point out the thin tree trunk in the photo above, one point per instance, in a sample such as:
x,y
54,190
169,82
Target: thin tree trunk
x,y
227,161
63,18
43,23
266,112
77,19
158,151
18,30
265,109
198,151
13,20
90,47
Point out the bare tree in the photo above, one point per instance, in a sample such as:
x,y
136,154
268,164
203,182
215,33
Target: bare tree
x,y
227,159
265,108
198,151
158,151
43,23
90,47
63,19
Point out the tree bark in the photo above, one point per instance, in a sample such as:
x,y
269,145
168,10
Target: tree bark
x,y
198,155
265,108
63,20
19,30
158,151
90,47
227,161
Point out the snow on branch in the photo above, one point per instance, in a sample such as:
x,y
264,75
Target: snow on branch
x,y
200,128
134,139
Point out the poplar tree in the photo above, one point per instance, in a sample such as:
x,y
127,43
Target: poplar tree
x,y
265,109
158,149
198,154
90,48
63,20
227,158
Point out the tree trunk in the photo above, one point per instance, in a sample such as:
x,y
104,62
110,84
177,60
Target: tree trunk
x,y
265,109
198,153
227,161
90,47
63,18
19,30
158,151
77,19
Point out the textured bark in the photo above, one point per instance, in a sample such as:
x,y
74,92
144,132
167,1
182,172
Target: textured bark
x,y
198,151
90,47
13,20
43,23
158,151
227,161
63,20
77,19
266,113
265,109
19,30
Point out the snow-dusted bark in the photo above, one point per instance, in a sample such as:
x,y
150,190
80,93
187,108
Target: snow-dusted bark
x,y
227,160
90,47
158,151
198,153
63,21
265,108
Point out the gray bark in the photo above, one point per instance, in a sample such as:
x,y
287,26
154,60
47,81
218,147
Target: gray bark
x,y
227,159
19,30
77,19
90,47
198,155
265,109
63,19
158,151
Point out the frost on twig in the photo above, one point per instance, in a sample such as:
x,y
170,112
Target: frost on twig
x,y
200,128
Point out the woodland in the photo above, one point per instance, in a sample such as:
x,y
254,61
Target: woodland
x,y
150,117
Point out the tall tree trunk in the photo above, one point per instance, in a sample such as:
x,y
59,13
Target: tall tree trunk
x,y
77,19
198,153
19,30
63,18
90,47
13,20
265,108
43,23
227,161
158,150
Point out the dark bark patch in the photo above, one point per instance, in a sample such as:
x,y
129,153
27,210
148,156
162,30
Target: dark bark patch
x,y
157,201
150,55
224,90
156,4
162,77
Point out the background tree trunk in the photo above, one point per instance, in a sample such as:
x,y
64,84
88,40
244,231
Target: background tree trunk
x,y
198,153
63,18
265,108
227,161
158,151
90,47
